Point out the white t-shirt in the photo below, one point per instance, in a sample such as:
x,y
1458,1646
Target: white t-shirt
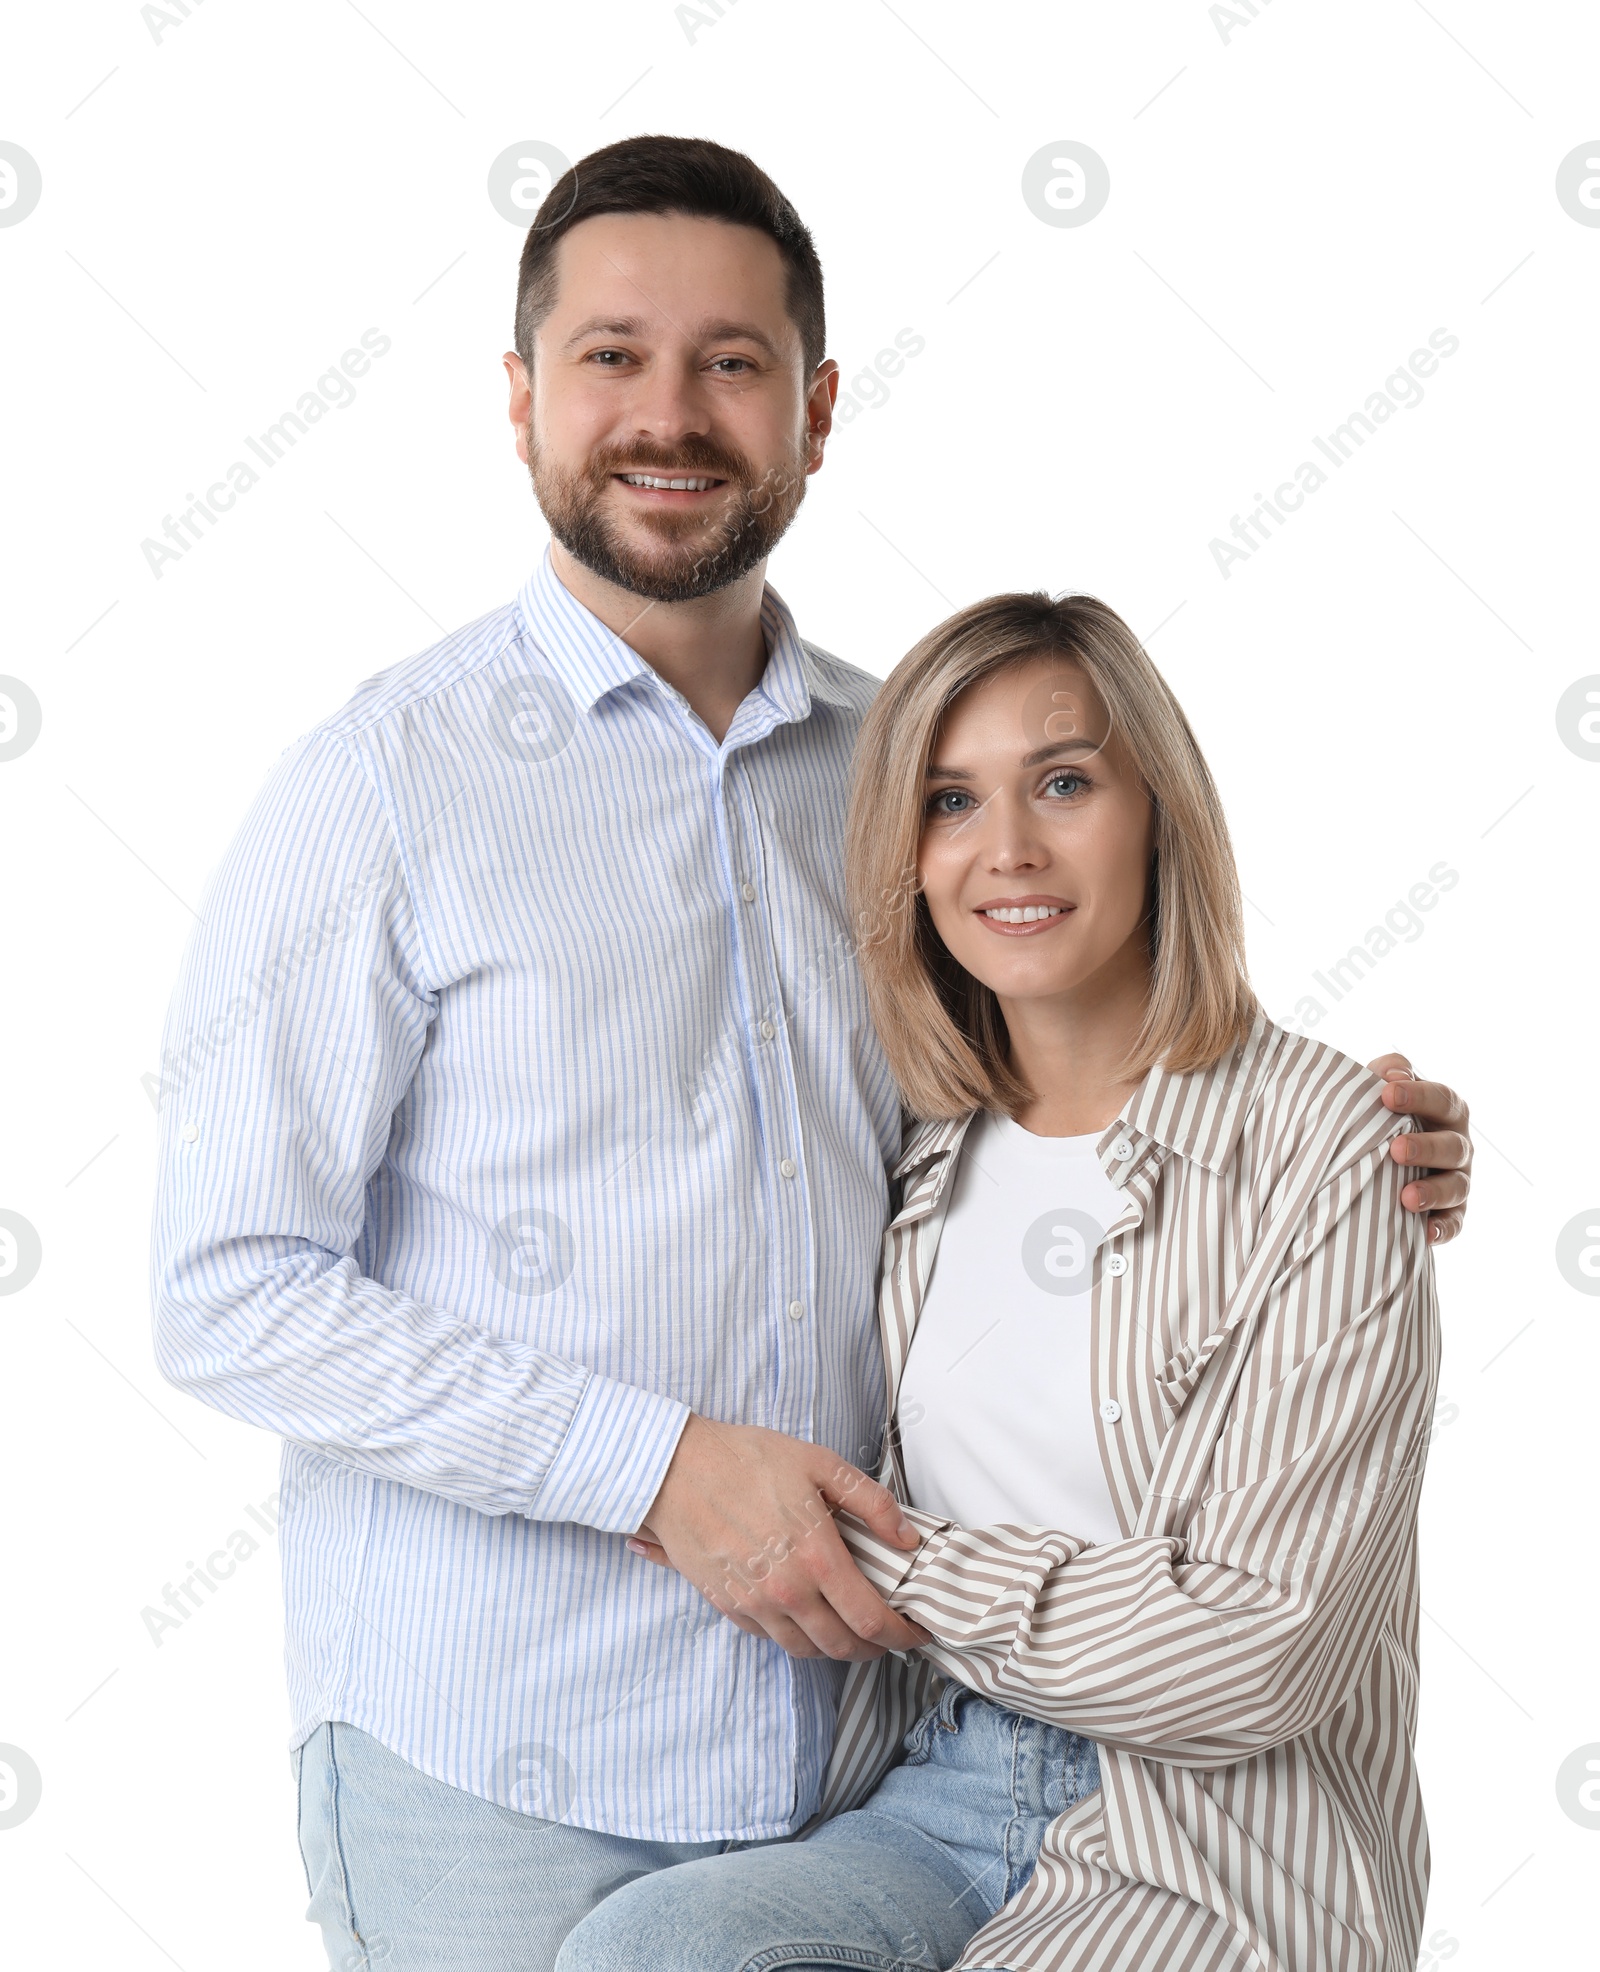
x,y
994,1404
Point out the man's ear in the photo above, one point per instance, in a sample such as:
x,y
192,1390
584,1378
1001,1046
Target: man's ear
x,y
820,400
520,408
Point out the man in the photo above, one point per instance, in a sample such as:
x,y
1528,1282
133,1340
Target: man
x,y
524,1166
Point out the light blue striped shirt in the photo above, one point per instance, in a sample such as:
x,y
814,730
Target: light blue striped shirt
x,y
518,1096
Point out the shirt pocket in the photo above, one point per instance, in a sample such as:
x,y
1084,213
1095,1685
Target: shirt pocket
x,y
1175,1381
1172,1384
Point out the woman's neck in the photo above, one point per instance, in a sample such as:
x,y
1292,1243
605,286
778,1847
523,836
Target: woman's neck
x,y
1071,1049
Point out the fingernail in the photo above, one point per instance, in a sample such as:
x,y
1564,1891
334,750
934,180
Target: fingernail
x,y
636,1547
1398,1075
906,1531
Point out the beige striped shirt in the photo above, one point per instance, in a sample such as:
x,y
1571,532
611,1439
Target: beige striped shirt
x,y
1263,1367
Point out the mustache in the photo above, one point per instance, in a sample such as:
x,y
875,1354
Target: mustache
x,y
693,455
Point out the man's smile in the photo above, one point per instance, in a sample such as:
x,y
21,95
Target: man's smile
x,y
664,490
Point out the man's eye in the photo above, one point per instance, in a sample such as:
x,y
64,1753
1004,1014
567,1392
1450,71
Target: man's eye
x,y
608,359
731,365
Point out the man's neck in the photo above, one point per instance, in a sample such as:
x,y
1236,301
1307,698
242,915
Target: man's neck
x,y
712,650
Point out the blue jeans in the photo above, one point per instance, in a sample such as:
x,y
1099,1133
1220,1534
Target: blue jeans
x,y
408,1874
904,1881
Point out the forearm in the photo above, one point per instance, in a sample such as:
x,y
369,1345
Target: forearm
x,y
292,1044
1127,1643
280,1335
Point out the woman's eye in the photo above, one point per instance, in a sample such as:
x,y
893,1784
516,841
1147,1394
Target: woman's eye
x,y
1064,784
948,801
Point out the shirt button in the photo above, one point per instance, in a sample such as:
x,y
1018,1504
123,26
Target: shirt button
x,y
796,1311
1111,1410
1122,1150
749,893
767,1030
786,1168
190,1133
1117,1265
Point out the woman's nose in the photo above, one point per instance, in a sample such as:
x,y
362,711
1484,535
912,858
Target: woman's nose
x,y
1013,840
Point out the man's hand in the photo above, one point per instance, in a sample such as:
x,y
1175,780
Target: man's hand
x,y
1441,1146
747,1516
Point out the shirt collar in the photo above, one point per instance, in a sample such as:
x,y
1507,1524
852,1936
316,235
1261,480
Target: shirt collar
x,y
1200,1114
593,660
1197,1114
794,675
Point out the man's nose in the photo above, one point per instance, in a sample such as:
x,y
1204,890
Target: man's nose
x,y
671,402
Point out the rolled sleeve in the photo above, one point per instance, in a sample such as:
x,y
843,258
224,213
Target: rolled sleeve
x,y
884,1565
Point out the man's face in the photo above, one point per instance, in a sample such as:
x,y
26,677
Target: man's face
x,y
669,356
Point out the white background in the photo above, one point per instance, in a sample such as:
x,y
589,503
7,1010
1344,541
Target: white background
x,y
1307,197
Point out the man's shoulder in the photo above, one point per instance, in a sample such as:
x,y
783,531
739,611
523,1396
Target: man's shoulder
x,y
394,694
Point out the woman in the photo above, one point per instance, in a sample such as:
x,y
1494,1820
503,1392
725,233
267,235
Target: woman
x,y
1159,1410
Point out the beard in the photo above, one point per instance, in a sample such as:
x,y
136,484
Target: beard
x,y
690,554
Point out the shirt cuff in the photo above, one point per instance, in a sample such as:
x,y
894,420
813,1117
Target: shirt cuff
x,y
613,1458
885,1565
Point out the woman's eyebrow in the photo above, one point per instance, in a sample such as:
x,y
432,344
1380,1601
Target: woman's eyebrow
x,y
1036,759
1061,746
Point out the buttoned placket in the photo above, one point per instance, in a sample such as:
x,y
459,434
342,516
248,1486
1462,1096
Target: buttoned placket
x,y
768,1049
737,817
1132,1163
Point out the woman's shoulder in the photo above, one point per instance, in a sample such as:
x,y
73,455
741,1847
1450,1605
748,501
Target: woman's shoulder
x,y
1308,1100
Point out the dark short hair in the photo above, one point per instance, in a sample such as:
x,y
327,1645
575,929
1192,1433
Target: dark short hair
x,y
669,174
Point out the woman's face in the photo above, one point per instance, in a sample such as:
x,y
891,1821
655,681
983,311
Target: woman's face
x,y
1036,835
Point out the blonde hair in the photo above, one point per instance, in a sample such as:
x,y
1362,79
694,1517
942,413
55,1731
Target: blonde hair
x,y
941,1028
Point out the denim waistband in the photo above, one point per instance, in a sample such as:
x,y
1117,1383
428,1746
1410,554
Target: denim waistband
x,y
1048,1767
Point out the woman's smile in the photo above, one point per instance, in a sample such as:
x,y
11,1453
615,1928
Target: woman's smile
x,y
1023,917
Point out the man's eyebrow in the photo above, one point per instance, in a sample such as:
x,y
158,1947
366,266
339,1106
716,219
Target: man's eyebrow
x,y
709,332
627,326
607,325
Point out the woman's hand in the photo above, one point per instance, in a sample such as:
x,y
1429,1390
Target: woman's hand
x,y
1440,1145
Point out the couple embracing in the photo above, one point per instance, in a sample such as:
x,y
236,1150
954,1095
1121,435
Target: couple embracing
x,y
848,1399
